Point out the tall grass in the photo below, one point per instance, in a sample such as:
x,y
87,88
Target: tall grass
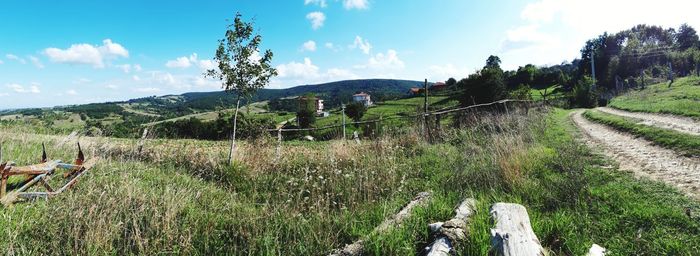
x,y
177,196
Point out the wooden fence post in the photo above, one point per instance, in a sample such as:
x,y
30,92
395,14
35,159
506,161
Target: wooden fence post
x,y
279,142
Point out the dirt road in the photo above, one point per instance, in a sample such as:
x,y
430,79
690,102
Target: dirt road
x,y
680,124
642,157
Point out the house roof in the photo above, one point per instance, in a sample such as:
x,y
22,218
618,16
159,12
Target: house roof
x,y
361,94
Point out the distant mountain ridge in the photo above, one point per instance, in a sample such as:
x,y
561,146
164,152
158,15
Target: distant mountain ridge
x,y
193,102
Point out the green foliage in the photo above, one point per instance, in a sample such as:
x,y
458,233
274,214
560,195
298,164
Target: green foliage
x,y
687,144
355,111
680,99
249,127
237,68
487,85
522,93
306,115
583,95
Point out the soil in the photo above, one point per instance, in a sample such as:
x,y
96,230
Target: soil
x,y
677,123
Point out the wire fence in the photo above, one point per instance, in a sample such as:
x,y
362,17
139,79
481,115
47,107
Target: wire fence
x,y
428,123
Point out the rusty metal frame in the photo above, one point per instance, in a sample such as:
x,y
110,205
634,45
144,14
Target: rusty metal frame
x,y
41,173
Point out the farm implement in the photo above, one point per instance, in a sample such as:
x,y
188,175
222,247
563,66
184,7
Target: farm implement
x,y
26,189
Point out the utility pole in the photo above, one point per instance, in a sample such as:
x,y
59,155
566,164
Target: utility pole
x,y
343,109
670,72
593,69
425,92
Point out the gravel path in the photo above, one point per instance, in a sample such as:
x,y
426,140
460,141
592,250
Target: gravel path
x,y
642,157
680,124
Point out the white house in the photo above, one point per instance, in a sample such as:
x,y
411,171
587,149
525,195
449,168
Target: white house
x,y
363,98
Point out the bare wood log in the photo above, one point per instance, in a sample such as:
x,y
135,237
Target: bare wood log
x,y
513,234
453,231
357,248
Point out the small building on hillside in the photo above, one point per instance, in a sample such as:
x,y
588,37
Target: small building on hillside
x,y
317,103
438,86
415,91
363,98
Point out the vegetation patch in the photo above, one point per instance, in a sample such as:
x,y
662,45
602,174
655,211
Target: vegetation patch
x,y
680,98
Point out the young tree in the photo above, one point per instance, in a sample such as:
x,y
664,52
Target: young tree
x,y
355,111
306,115
240,68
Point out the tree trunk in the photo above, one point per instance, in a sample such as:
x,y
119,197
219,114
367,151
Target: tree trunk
x,y
513,235
233,136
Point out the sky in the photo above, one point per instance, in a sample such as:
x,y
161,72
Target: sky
x,y
76,52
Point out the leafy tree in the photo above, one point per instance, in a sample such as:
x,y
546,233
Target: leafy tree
x,y
450,82
238,68
582,95
355,111
306,116
486,85
687,37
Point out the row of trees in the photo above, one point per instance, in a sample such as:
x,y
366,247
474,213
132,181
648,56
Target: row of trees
x,y
622,60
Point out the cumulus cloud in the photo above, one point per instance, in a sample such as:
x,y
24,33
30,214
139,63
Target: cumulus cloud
x,y
72,92
355,4
384,61
308,46
137,68
15,58
126,68
317,19
444,72
186,62
86,54
136,78
36,62
555,30
321,3
34,88
299,73
147,89
362,44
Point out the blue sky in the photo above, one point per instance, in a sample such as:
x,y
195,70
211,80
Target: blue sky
x,y
75,52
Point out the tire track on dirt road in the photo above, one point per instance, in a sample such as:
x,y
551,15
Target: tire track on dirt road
x,y
677,123
642,157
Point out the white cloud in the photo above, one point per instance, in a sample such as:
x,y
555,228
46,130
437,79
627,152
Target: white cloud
x,y
384,61
147,89
355,4
321,3
1,62
181,62
298,70
555,30
126,68
112,86
296,73
34,88
136,78
309,46
86,54
329,45
317,19
137,68
16,58
193,60
82,81
72,92
362,44
444,72
37,63
4,94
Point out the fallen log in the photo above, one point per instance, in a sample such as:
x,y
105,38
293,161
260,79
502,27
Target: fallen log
x,y
452,231
357,248
513,234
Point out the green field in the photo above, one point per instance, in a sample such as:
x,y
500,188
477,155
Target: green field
x,y
681,98
179,198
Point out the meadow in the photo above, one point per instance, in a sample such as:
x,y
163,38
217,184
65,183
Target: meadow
x,y
682,97
178,196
